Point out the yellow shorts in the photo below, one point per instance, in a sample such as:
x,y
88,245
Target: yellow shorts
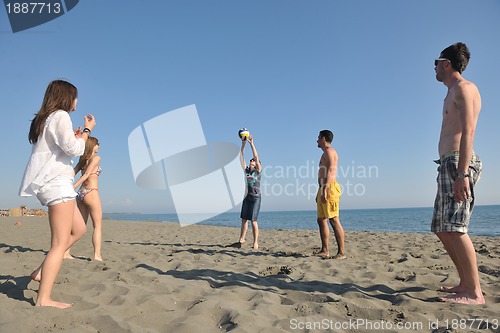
x,y
329,209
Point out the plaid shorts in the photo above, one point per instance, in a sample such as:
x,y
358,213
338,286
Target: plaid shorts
x,y
450,215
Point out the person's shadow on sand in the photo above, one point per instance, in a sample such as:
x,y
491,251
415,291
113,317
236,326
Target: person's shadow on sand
x,y
218,279
236,245
14,287
11,248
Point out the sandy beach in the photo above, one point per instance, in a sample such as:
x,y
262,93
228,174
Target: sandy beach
x,y
159,277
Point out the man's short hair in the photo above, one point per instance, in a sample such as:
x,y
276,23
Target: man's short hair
x,y
327,134
458,54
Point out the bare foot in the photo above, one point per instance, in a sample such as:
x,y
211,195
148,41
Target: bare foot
x,y
322,254
54,304
462,298
98,258
37,274
68,256
447,289
255,246
339,256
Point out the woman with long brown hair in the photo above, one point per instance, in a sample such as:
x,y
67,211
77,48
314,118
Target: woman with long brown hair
x,y
87,198
49,175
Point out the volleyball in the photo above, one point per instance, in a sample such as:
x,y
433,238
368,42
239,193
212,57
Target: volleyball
x,y
243,133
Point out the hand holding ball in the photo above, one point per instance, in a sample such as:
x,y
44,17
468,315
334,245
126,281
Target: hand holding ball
x,y
243,134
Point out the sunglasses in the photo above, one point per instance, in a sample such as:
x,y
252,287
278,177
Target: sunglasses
x,y
436,62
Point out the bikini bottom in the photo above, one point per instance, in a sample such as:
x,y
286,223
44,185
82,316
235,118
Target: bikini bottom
x,y
83,192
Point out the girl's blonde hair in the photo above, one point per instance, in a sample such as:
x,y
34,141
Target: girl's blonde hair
x,y
87,154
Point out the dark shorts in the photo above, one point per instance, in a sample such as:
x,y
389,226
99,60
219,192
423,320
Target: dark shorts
x,y
250,208
450,215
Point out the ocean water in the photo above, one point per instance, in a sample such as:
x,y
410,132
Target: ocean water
x,y
485,220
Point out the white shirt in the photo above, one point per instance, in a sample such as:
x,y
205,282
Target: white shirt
x,y
52,154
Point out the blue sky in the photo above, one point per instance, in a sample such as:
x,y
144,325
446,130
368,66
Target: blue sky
x,y
283,69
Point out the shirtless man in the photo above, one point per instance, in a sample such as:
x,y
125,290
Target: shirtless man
x,y
459,171
328,197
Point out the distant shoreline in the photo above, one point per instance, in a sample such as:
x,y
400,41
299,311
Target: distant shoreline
x,y
296,210
408,220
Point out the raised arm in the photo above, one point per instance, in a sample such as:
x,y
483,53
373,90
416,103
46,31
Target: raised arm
x,y
255,154
242,155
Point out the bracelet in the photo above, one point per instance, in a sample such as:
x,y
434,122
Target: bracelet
x,y
86,130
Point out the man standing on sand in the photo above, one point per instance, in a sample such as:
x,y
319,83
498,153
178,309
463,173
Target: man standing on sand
x,y
328,197
459,171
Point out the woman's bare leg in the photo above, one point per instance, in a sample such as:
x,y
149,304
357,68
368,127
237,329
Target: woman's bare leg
x,y
94,206
79,227
61,220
